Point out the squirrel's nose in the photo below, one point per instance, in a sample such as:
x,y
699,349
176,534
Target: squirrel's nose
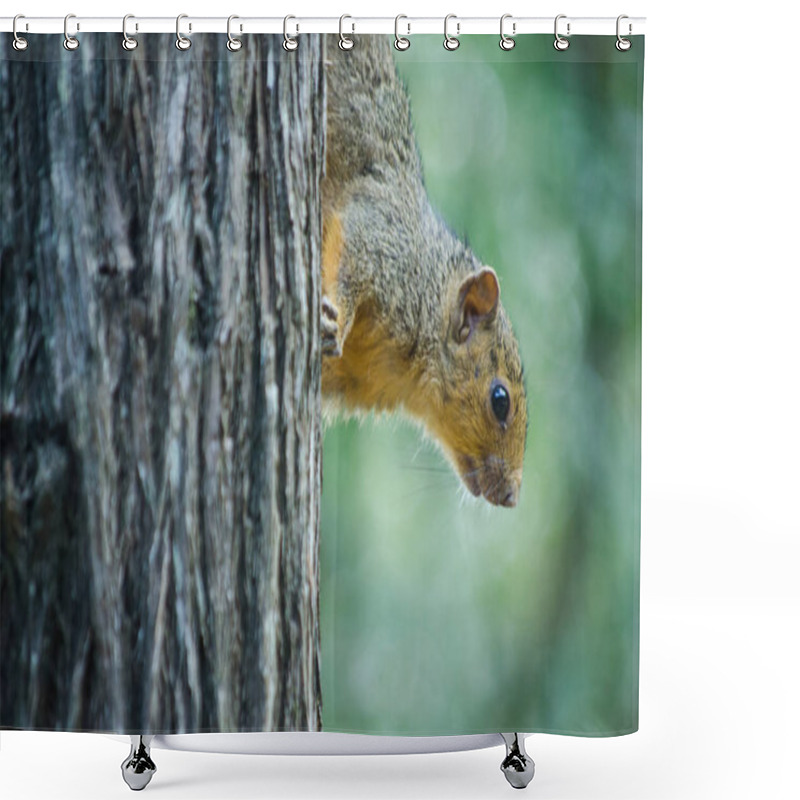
x,y
510,500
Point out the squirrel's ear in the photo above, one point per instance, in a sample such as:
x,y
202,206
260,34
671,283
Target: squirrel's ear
x,y
478,297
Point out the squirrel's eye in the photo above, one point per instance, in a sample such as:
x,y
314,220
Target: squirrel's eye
x,y
501,402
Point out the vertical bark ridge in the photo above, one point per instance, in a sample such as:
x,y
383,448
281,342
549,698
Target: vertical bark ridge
x,y
159,406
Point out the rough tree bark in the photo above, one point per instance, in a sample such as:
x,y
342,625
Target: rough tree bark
x,y
160,440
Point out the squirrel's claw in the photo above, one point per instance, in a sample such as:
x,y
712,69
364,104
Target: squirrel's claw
x,y
329,326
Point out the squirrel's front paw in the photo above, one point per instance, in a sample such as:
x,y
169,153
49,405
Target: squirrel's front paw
x,y
331,345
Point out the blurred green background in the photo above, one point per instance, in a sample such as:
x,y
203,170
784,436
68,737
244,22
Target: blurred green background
x,y
441,614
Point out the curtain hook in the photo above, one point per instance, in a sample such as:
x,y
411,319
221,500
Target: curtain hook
x,y
19,43
561,43
234,44
451,42
345,42
289,42
70,42
400,42
128,43
506,42
182,43
623,44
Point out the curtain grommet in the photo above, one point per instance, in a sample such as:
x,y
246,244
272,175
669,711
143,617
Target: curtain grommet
x,y
507,42
181,42
20,44
345,42
233,44
128,42
451,42
622,44
561,43
289,42
401,43
70,42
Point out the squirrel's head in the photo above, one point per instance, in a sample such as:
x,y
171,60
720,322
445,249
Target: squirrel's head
x,y
481,420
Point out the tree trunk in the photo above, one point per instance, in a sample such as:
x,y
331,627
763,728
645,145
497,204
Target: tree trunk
x,y
160,430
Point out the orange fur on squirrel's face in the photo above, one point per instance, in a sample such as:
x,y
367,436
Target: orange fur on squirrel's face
x,y
479,413
470,397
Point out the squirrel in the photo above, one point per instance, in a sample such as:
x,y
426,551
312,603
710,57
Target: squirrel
x,y
411,319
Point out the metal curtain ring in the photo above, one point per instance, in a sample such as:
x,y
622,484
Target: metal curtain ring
x,y
181,42
451,42
234,44
345,42
127,42
506,42
19,43
623,44
70,42
561,43
400,42
289,42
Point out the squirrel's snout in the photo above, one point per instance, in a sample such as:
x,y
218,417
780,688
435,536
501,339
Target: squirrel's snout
x,y
499,484
492,480
510,500
505,494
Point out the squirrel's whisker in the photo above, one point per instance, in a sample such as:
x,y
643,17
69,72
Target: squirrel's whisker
x,y
425,487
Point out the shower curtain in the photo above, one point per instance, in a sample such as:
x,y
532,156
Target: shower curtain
x,y
293,439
